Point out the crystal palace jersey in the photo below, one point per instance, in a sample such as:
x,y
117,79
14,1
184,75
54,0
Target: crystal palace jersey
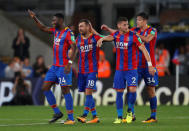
x,y
88,53
62,41
150,46
126,50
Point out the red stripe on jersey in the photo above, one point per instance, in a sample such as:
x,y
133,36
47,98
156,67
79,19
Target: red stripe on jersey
x,y
82,57
152,50
134,53
57,50
90,55
118,52
125,57
97,37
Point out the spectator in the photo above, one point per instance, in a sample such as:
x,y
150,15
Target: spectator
x,y
39,67
27,69
182,61
21,45
187,57
162,61
10,70
21,91
17,64
104,69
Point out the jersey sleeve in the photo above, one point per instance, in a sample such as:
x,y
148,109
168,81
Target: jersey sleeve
x,y
70,38
137,40
52,29
153,32
114,34
97,37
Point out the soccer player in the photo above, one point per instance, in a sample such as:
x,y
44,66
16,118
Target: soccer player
x,y
60,72
127,44
148,36
88,67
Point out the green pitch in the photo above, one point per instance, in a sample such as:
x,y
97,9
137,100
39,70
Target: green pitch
x,y
34,118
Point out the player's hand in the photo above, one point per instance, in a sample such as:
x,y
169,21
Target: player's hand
x,y
104,27
68,68
31,13
151,70
99,42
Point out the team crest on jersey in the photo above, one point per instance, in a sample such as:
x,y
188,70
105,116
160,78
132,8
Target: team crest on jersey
x,y
57,41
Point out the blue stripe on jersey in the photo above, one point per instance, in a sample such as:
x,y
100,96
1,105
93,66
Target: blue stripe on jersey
x,y
147,45
55,47
140,52
79,42
130,44
86,56
62,43
94,51
121,53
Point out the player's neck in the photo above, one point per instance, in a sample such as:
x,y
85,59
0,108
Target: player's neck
x,y
61,28
86,36
144,27
124,32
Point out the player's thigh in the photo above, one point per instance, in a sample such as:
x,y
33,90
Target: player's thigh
x,y
140,74
50,79
91,81
81,82
119,80
131,77
149,79
64,79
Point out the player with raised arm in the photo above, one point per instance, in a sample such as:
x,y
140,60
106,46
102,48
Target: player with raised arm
x,y
127,44
148,35
60,72
88,67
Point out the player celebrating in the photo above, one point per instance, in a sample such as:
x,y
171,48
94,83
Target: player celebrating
x,y
60,72
148,36
88,67
127,44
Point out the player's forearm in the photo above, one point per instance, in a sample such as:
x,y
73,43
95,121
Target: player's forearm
x,y
73,53
146,54
146,39
111,30
39,24
108,38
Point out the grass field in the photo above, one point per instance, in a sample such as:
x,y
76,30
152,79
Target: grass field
x,y
34,118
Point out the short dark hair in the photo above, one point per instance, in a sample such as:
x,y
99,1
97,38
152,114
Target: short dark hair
x,y
144,15
59,15
120,19
86,21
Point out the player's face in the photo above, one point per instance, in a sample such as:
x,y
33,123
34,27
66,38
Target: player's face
x,y
57,22
83,28
123,26
141,22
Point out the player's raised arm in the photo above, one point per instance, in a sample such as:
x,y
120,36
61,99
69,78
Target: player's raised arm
x,y
108,38
141,46
149,37
39,24
106,28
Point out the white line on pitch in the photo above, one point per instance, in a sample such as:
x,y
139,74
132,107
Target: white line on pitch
x,y
31,124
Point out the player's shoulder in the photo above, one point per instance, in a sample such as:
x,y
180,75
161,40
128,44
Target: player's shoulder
x,y
152,28
135,29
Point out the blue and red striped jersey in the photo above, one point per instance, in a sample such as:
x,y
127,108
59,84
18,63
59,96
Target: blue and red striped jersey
x,y
126,50
150,46
62,41
88,53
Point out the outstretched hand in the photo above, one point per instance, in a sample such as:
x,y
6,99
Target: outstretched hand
x,y
31,13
